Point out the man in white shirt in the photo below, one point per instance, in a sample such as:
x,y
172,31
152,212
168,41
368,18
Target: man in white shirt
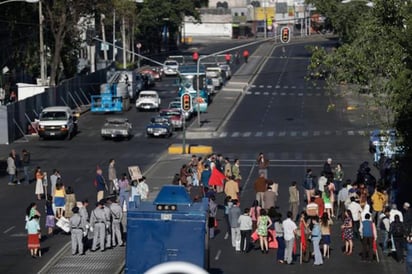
x,y
245,226
322,182
356,211
142,189
395,211
289,232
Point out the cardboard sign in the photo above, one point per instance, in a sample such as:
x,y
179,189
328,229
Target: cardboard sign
x,y
135,173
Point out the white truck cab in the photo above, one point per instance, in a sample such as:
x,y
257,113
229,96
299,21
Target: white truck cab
x,y
59,121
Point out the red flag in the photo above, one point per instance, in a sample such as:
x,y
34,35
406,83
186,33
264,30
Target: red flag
x,y
302,236
216,178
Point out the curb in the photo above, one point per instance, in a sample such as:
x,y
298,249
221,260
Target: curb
x,y
55,258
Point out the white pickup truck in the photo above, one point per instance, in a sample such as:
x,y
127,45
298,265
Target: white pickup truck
x,y
59,121
148,100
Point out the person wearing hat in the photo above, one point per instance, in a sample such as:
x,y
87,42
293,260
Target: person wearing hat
x,y
77,227
142,189
98,224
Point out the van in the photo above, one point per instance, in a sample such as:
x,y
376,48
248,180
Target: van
x,y
57,122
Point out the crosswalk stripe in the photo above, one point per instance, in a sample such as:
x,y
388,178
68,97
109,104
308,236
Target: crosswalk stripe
x,y
235,134
271,133
282,133
257,93
316,133
300,94
223,135
274,93
259,134
283,93
351,132
305,133
265,93
247,134
277,86
261,86
293,133
269,86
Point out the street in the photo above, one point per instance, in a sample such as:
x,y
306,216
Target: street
x,y
280,114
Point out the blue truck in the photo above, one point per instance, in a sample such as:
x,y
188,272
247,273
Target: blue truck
x,y
172,228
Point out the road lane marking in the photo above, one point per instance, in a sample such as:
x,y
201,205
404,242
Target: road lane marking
x,y
248,179
218,254
18,235
7,230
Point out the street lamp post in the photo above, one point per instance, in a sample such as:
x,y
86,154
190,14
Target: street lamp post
x,y
41,40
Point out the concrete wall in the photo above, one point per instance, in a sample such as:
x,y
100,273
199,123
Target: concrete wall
x,y
212,25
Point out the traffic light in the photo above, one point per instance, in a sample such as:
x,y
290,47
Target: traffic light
x,y
285,35
186,101
195,56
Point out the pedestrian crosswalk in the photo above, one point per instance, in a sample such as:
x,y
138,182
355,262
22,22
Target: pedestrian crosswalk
x,y
292,133
300,87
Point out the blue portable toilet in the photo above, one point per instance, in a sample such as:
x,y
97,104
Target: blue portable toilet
x,y
171,228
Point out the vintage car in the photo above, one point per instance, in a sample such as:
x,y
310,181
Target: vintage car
x,y
227,71
216,74
176,103
116,128
170,67
159,126
154,72
148,100
175,116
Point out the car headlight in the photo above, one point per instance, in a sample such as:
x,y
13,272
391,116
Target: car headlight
x,y
375,143
41,127
64,126
105,131
149,129
124,132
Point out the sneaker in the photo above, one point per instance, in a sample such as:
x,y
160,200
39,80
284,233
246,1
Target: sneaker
x,y
18,183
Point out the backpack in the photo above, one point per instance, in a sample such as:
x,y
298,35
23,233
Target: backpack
x,y
398,231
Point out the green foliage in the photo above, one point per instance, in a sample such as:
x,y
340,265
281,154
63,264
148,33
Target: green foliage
x,y
375,58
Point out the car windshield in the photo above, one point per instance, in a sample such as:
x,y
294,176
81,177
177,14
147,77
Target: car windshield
x,y
148,96
170,63
116,122
159,120
174,105
53,115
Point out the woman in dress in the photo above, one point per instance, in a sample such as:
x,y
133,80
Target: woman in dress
x,y
348,232
33,235
254,214
39,183
263,223
325,225
59,199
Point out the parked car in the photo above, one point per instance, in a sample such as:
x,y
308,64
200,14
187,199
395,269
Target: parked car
x,y
175,116
159,126
148,100
155,74
170,67
115,128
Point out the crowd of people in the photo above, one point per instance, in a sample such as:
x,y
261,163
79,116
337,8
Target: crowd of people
x,y
365,210
64,212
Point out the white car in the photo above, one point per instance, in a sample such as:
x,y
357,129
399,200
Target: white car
x,y
148,100
170,67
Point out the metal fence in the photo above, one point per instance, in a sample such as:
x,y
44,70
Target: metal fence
x,y
74,92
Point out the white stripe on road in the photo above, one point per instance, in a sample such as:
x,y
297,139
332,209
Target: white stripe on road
x,y
218,254
7,230
248,179
18,235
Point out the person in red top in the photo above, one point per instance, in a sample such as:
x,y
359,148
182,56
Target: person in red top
x,y
320,203
246,55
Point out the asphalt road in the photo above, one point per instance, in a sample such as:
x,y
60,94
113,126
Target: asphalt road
x,y
281,115
77,160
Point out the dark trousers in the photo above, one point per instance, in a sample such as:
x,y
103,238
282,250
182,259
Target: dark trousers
x,y
280,255
399,244
367,248
245,240
356,225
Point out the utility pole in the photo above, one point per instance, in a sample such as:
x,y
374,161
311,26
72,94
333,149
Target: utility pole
x,y
114,35
41,40
104,45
